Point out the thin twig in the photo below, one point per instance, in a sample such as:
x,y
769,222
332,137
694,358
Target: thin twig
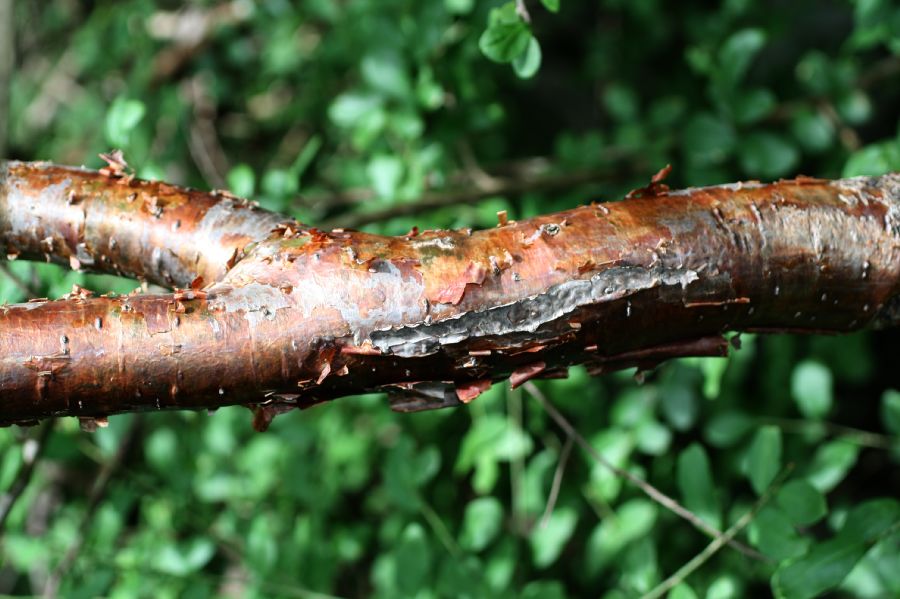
x,y
652,492
517,466
522,10
32,449
557,481
440,529
203,141
719,542
16,280
189,31
853,435
500,187
98,491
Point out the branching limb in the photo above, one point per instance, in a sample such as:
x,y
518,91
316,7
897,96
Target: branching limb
x,y
719,542
287,316
32,449
649,490
98,492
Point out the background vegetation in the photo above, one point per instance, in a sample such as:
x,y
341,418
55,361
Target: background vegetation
x,y
439,113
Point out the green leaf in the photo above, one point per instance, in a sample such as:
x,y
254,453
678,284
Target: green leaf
x,y
183,559
725,586
242,180
876,159
812,130
413,555
752,105
543,589
407,468
385,173
855,107
828,563
621,102
737,52
890,410
708,140
868,521
481,523
632,520
551,5
348,109
772,533
616,446
801,502
459,7
279,183
527,64
811,384
682,591
831,463
547,542
653,438
507,35
764,459
696,485
814,72
492,438
305,157
727,429
121,119
384,71
767,155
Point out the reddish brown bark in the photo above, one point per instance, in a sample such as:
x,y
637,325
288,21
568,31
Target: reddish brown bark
x,y
290,316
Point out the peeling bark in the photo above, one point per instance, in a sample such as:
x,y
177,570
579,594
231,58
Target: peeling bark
x,y
289,316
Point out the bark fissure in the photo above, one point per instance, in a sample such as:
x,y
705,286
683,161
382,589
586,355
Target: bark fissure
x,y
270,313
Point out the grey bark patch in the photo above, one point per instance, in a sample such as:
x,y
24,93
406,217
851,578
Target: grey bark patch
x,y
524,317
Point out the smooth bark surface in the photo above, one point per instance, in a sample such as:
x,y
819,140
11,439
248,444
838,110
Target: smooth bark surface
x,y
278,315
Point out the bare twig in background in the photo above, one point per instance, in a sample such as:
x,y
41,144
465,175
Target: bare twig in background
x,y
882,70
7,58
32,449
520,521
22,285
652,492
473,169
885,68
523,11
203,141
189,31
497,187
98,491
557,480
848,433
58,87
719,542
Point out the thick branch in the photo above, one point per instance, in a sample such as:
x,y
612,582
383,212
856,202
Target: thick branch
x,y
120,225
433,318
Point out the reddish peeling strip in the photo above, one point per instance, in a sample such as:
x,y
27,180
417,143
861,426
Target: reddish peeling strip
x,y
466,392
522,375
452,292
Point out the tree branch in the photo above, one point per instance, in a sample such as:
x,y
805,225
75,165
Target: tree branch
x,y
288,316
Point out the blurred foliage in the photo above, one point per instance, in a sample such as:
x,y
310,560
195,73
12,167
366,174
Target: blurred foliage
x,y
334,111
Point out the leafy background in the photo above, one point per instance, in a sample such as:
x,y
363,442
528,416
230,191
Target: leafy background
x,y
384,114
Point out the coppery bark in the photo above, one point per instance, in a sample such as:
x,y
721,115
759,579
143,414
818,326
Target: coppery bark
x,y
291,316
